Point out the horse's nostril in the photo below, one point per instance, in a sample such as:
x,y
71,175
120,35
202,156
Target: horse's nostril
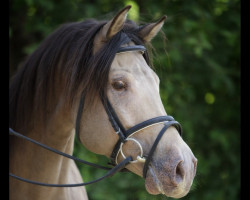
x,y
179,173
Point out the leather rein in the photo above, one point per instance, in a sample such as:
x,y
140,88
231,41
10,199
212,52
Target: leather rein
x,y
124,136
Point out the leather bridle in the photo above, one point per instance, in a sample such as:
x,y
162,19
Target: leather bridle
x,y
124,136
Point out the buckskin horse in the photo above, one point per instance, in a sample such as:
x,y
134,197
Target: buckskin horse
x,y
92,80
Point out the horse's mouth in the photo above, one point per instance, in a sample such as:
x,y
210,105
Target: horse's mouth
x,y
156,184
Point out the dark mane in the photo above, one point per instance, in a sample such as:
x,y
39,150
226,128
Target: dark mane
x,y
65,56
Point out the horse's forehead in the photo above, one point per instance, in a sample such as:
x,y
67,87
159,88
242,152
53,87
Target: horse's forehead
x,y
132,61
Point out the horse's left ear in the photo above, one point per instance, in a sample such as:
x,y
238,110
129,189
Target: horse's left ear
x,y
116,24
111,28
149,31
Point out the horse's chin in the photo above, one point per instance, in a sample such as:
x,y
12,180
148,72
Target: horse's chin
x,y
157,185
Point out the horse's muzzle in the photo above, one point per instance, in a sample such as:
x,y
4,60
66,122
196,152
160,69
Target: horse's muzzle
x,y
172,175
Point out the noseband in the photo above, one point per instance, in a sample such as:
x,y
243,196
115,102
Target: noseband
x,y
125,135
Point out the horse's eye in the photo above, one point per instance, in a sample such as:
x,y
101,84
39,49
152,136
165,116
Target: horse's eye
x,y
119,85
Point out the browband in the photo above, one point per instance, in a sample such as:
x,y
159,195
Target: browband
x,y
132,48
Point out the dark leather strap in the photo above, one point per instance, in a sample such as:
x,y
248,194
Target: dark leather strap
x,y
113,119
131,48
12,132
79,115
157,140
111,171
148,123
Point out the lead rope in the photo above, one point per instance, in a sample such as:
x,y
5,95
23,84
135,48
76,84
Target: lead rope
x,y
111,171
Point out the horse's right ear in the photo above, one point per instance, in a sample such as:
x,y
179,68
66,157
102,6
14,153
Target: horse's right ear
x,y
111,28
149,31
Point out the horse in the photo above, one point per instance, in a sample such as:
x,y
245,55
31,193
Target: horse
x,y
93,80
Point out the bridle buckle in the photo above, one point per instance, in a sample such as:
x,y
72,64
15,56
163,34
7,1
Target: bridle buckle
x,y
117,132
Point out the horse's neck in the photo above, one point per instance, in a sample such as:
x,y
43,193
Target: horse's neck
x,y
33,162
57,132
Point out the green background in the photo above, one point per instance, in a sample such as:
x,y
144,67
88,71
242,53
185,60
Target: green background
x,y
199,68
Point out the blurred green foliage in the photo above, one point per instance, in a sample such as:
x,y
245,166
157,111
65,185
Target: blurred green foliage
x,y
199,68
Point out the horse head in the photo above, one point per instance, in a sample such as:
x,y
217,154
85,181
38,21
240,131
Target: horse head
x,y
132,89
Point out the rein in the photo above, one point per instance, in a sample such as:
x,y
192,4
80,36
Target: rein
x,y
111,171
124,136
